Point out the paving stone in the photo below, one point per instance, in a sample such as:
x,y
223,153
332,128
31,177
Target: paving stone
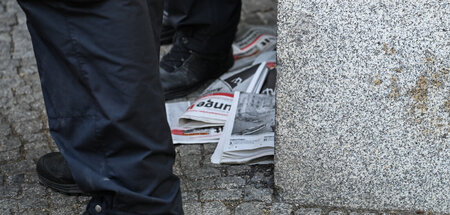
x,y
189,196
192,208
220,195
12,7
200,184
33,151
10,155
5,211
336,213
256,208
21,114
33,211
34,138
260,180
9,191
185,150
255,194
238,170
22,43
29,67
207,163
7,206
230,182
31,178
215,208
281,209
364,213
31,126
206,172
17,179
63,210
35,190
58,200
17,167
209,148
190,162
5,45
308,211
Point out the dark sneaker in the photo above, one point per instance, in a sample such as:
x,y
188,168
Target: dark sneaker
x,y
182,71
54,172
167,31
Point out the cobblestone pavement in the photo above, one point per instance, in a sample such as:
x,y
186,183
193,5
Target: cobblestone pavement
x,y
207,188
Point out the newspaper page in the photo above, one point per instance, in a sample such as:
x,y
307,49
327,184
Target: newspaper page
x,y
268,86
197,135
239,80
208,111
182,135
252,43
249,130
174,110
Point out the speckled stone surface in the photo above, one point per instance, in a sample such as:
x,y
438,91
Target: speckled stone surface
x,y
363,104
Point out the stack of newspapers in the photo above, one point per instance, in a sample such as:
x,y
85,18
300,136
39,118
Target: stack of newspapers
x,y
237,110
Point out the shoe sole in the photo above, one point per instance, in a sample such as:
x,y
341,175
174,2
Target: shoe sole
x,y
62,188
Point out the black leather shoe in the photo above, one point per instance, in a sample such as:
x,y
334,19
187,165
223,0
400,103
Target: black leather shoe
x,y
182,71
54,172
167,31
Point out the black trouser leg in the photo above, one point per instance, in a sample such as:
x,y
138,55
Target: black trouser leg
x,y
98,63
210,25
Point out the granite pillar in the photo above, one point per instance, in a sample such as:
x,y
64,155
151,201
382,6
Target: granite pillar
x,y
363,104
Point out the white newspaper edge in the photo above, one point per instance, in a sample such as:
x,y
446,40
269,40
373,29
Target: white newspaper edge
x,y
252,86
217,155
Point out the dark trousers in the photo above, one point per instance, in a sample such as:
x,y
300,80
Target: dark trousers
x,y
98,64
210,25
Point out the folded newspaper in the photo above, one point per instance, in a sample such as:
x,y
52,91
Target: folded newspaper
x,y
202,120
254,41
249,130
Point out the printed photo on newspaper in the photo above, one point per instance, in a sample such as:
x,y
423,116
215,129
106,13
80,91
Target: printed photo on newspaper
x,y
249,130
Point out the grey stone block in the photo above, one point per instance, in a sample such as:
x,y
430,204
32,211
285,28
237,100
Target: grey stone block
x,y
336,213
255,194
246,208
213,208
281,209
238,170
220,195
189,196
192,208
308,211
230,182
363,104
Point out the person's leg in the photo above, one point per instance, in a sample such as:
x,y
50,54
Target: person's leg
x,y
201,48
210,26
98,63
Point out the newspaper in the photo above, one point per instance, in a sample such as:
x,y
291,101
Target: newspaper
x,y
181,135
208,111
244,80
249,131
253,42
202,120
196,136
268,86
